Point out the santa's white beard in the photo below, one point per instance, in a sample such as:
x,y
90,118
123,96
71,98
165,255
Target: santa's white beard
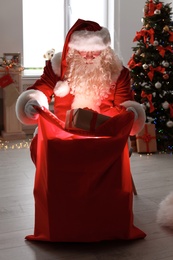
x,y
89,83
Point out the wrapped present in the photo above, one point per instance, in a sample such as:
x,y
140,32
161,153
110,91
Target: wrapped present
x,y
84,119
146,139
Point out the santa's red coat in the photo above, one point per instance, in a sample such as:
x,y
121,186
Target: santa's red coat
x,y
119,94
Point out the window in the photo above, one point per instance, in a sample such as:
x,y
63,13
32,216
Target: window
x,y
43,29
46,23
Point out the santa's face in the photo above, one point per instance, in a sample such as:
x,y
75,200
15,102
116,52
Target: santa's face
x,y
89,76
89,56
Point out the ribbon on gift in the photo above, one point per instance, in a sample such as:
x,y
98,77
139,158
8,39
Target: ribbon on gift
x,y
146,137
149,97
152,70
5,80
71,119
92,122
162,50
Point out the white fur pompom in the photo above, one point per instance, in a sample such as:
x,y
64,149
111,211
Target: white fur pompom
x,y
61,89
56,63
165,212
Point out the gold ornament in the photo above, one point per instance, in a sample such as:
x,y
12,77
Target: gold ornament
x,y
142,55
166,28
138,52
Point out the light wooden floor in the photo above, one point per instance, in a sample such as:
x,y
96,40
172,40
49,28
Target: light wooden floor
x,y
153,176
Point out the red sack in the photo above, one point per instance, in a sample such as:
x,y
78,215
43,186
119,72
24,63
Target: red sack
x,y
83,188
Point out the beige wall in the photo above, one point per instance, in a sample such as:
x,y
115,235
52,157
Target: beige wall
x,y
10,26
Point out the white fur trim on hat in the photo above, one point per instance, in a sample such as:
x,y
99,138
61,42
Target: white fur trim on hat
x,y
85,40
61,89
23,99
140,116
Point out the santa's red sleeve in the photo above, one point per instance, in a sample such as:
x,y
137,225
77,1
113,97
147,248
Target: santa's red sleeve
x,y
47,81
123,91
124,97
41,91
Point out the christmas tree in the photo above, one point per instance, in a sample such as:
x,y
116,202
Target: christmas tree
x,y
151,69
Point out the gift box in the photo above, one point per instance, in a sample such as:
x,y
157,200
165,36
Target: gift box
x,y
146,139
84,119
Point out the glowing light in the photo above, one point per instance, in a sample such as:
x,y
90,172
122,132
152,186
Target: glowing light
x,y
17,144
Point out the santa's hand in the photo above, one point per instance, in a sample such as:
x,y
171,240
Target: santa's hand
x,y
134,111
30,111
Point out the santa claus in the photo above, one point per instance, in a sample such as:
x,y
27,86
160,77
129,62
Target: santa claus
x,y
83,185
88,73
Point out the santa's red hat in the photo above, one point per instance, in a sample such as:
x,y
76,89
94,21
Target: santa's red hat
x,y
84,36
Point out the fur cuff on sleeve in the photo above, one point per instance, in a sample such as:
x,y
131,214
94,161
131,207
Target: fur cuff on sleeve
x,y
141,117
23,99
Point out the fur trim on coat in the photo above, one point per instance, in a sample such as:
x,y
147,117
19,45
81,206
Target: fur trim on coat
x,y
140,116
23,99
